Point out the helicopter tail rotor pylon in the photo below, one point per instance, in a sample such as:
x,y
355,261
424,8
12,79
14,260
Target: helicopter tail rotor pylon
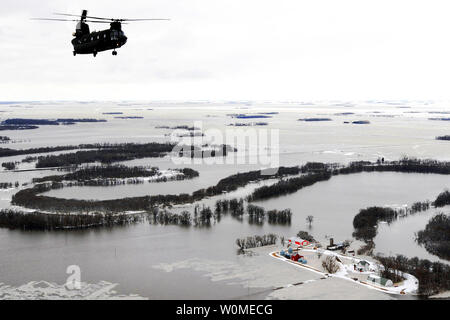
x,y
83,15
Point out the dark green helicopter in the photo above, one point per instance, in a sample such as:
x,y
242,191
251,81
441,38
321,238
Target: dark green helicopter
x,y
86,42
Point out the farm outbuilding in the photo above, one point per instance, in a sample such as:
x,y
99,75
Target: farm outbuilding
x,y
379,280
298,242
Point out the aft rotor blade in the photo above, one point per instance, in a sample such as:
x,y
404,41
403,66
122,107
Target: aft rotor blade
x,y
143,19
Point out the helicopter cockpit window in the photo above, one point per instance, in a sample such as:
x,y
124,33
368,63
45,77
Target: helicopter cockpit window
x,y
114,35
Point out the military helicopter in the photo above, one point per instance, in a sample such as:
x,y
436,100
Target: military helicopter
x,y
86,42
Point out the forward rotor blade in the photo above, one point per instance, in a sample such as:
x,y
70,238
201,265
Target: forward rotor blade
x,y
108,19
72,20
49,19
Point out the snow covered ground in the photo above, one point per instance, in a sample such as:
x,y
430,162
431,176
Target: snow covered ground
x,y
346,270
275,279
39,290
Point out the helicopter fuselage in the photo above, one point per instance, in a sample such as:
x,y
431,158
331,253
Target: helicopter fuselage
x,y
87,42
94,42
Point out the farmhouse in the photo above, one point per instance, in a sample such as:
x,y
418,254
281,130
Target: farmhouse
x,y
362,266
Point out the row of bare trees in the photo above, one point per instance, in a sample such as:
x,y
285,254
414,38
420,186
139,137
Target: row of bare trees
x,y
8,185
202,217
256,241
13,219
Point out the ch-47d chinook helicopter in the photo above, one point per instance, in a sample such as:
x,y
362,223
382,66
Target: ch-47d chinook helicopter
x,y
86,42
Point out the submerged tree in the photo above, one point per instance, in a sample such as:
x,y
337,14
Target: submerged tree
x,y
305,236
309,219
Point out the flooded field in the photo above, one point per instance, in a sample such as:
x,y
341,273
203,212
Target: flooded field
x,y
161,262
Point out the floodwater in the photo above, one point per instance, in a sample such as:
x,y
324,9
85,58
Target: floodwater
x,y
130,256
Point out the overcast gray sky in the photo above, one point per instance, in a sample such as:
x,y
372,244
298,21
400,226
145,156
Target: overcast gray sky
x,y
232,49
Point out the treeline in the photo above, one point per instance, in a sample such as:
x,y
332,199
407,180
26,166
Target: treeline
x,y
434,277
113,175
256,241
235,181
102,171
188,173
82,120
233,206
180,127
107,154
256,214
48,222
30,198
4,139
8,185
405,164
442,199
103,182
129,117
20,121
314,172
7,152
9,165
14,127
436,236
279,216
129,150
288,186
202,217
443,138
305,236
366,221
46,122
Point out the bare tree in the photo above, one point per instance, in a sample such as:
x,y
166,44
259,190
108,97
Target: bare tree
x,y
310,219
330,265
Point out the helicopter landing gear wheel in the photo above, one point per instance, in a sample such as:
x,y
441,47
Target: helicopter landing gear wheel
x,y
95,54
74,53
114,53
